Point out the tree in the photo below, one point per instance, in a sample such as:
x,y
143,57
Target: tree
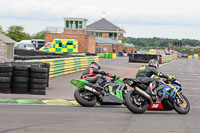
x,y
1,29
40,35
17,33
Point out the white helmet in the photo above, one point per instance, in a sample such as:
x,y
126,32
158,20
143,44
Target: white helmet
x,y
153,63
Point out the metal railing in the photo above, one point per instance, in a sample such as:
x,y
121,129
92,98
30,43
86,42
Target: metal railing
x,y
55,29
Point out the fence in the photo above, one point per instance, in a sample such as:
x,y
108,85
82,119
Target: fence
x,y
63,66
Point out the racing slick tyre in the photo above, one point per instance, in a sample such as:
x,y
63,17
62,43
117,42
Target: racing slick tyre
x,y
182,107
82,99
134,105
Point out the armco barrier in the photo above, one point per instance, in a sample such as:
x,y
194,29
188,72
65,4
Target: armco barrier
x,y
63,66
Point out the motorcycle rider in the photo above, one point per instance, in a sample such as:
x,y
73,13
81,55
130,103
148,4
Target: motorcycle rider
x,y
93,74
146,71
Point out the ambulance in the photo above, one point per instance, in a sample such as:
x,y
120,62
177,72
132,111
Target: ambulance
x,y
61,46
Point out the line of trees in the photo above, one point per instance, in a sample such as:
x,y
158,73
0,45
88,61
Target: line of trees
x,y
160,41
17,33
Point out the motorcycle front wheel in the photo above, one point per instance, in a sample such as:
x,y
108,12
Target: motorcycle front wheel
x,y
135,102
85,98
181,106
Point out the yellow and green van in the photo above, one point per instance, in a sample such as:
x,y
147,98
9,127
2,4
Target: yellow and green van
x,y
61,46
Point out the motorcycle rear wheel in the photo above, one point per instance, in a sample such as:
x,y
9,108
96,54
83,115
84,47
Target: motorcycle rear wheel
x,y
80,96
132,105
182,108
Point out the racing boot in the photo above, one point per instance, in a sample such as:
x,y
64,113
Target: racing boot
x,y
150,89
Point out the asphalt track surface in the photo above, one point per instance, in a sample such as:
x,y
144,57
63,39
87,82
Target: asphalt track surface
x,y
109,119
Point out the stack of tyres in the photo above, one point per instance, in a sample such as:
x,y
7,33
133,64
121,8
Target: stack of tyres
x,y
20,82
5,78
38,80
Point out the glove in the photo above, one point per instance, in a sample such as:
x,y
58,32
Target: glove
x,y
171,78
115,77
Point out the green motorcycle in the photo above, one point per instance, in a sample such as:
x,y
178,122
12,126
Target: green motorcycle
x,y
112,92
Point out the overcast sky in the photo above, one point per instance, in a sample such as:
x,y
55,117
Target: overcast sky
x,y
139,18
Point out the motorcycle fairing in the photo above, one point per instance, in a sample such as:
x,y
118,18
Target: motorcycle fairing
x,y
156,106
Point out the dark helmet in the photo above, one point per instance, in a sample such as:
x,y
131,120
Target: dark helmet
x,y
95,65
153,63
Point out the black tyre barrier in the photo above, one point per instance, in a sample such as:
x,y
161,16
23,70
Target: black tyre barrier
x,y
21,67
20,85
24,77
4,85
38,75
37,92
38,86
7,91
5,79
20,74
38,70
6,74
38,81
19,90
20,79
144,58
6,68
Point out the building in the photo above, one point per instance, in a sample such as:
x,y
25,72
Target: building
x,y
108,45
100,36
75,28
6,49
106,29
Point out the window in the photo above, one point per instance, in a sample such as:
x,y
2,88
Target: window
x,y
9,51
76,24
98,34
67,24
113,35
71,25
80,24
60,44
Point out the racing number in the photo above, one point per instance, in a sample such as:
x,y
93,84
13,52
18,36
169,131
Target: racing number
x,y
155,105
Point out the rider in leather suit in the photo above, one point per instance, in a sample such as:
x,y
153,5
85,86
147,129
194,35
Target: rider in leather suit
x,y
93,74
145,72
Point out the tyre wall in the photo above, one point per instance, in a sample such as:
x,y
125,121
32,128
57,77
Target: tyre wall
x,y
24,78
63,66
144,58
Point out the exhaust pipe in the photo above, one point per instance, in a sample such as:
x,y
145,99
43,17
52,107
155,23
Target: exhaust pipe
x,y
91,89
143,93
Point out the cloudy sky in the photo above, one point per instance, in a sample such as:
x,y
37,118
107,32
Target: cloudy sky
x,y
139,18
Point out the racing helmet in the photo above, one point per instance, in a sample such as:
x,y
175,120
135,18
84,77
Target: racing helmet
x,y
95,65
153,63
